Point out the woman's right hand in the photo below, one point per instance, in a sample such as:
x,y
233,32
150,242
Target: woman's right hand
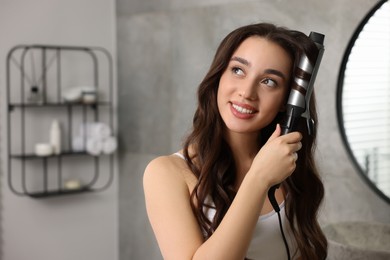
x,y
276,160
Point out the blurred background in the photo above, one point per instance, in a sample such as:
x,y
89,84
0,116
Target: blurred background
x,y
161,50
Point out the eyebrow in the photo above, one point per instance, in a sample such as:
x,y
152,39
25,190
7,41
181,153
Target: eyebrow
x,y
275,72
268,71
241,60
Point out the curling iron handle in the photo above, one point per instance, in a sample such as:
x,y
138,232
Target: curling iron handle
x,y
290,121
289,124
291,118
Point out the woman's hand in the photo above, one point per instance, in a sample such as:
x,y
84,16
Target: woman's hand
x,y
276,160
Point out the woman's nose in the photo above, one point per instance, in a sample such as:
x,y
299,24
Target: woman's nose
x,y
248,91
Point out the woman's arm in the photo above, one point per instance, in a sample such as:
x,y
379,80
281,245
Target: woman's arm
x,y
168,206
176,228
174,224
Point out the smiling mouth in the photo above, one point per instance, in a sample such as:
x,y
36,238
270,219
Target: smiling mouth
x,y
243,110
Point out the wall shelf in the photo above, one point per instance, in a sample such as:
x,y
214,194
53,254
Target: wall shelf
x,y
50,71
46,194
14,105
33,156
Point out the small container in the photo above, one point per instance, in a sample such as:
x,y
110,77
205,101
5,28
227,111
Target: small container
x,y
73,95
43,149
89,97
55,137
72,184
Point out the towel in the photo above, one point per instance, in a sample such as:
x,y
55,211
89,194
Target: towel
x,y
109,145
96,130
94,146
94,138
78,144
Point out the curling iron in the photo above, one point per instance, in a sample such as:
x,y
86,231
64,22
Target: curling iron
x,y
298,105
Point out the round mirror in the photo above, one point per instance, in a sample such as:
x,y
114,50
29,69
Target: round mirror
x,y
363,99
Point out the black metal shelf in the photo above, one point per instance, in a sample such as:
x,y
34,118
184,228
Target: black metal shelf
x,y
50,104
53,193
68,61
32,156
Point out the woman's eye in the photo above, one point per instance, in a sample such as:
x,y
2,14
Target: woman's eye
x,y
237,71
269,82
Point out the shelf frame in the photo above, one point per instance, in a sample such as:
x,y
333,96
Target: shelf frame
x,y
23,105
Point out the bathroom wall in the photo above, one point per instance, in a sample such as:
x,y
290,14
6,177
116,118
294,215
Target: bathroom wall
x,y
164,50
77,227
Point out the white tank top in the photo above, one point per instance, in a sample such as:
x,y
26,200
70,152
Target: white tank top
x,y
267,242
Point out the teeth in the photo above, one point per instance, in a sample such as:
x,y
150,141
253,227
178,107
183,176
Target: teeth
x,y
242,110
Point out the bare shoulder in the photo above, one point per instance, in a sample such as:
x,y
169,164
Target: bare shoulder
x,y
162,163
168,170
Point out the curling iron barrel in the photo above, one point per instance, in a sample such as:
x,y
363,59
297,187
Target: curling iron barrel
x,y
298,102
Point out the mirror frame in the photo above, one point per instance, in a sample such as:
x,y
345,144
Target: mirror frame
x,y
339,94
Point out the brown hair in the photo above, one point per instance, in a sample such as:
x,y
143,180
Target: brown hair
x,y
211,159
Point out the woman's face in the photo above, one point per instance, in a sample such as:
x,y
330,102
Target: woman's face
x,y
253,87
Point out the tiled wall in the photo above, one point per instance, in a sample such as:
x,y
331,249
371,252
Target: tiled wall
x,y
165,48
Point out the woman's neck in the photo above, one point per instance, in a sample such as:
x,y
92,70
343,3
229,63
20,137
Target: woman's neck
x,y
244,148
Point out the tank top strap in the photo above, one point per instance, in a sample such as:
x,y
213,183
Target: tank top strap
x,y
179,155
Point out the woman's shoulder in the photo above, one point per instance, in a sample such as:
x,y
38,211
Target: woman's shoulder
x,y
169,170
166,164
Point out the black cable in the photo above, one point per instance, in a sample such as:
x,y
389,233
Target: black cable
x,y
275,205
283,236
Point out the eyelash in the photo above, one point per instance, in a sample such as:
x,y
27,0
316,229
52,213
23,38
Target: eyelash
x,y
269,79
236,70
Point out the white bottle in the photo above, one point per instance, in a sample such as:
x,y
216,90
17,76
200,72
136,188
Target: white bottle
x,y
55,137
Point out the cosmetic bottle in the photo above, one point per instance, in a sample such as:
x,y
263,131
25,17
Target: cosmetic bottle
x,y
55,137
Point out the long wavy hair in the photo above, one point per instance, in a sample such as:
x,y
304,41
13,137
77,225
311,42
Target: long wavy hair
x,y
210,158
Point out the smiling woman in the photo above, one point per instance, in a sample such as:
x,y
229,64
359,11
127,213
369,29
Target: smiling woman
x,y
209,200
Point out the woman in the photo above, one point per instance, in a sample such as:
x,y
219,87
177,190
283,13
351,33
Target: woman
x,y
209,201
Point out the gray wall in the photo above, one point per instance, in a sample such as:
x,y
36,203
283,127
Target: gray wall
x,y
165,48
77,227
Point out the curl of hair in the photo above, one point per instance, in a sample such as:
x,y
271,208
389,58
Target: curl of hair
x,y
210,157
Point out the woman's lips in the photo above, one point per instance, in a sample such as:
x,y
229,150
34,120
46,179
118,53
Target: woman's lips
x,y
242,111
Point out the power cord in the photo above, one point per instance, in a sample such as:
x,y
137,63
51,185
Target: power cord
x,y
275,205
